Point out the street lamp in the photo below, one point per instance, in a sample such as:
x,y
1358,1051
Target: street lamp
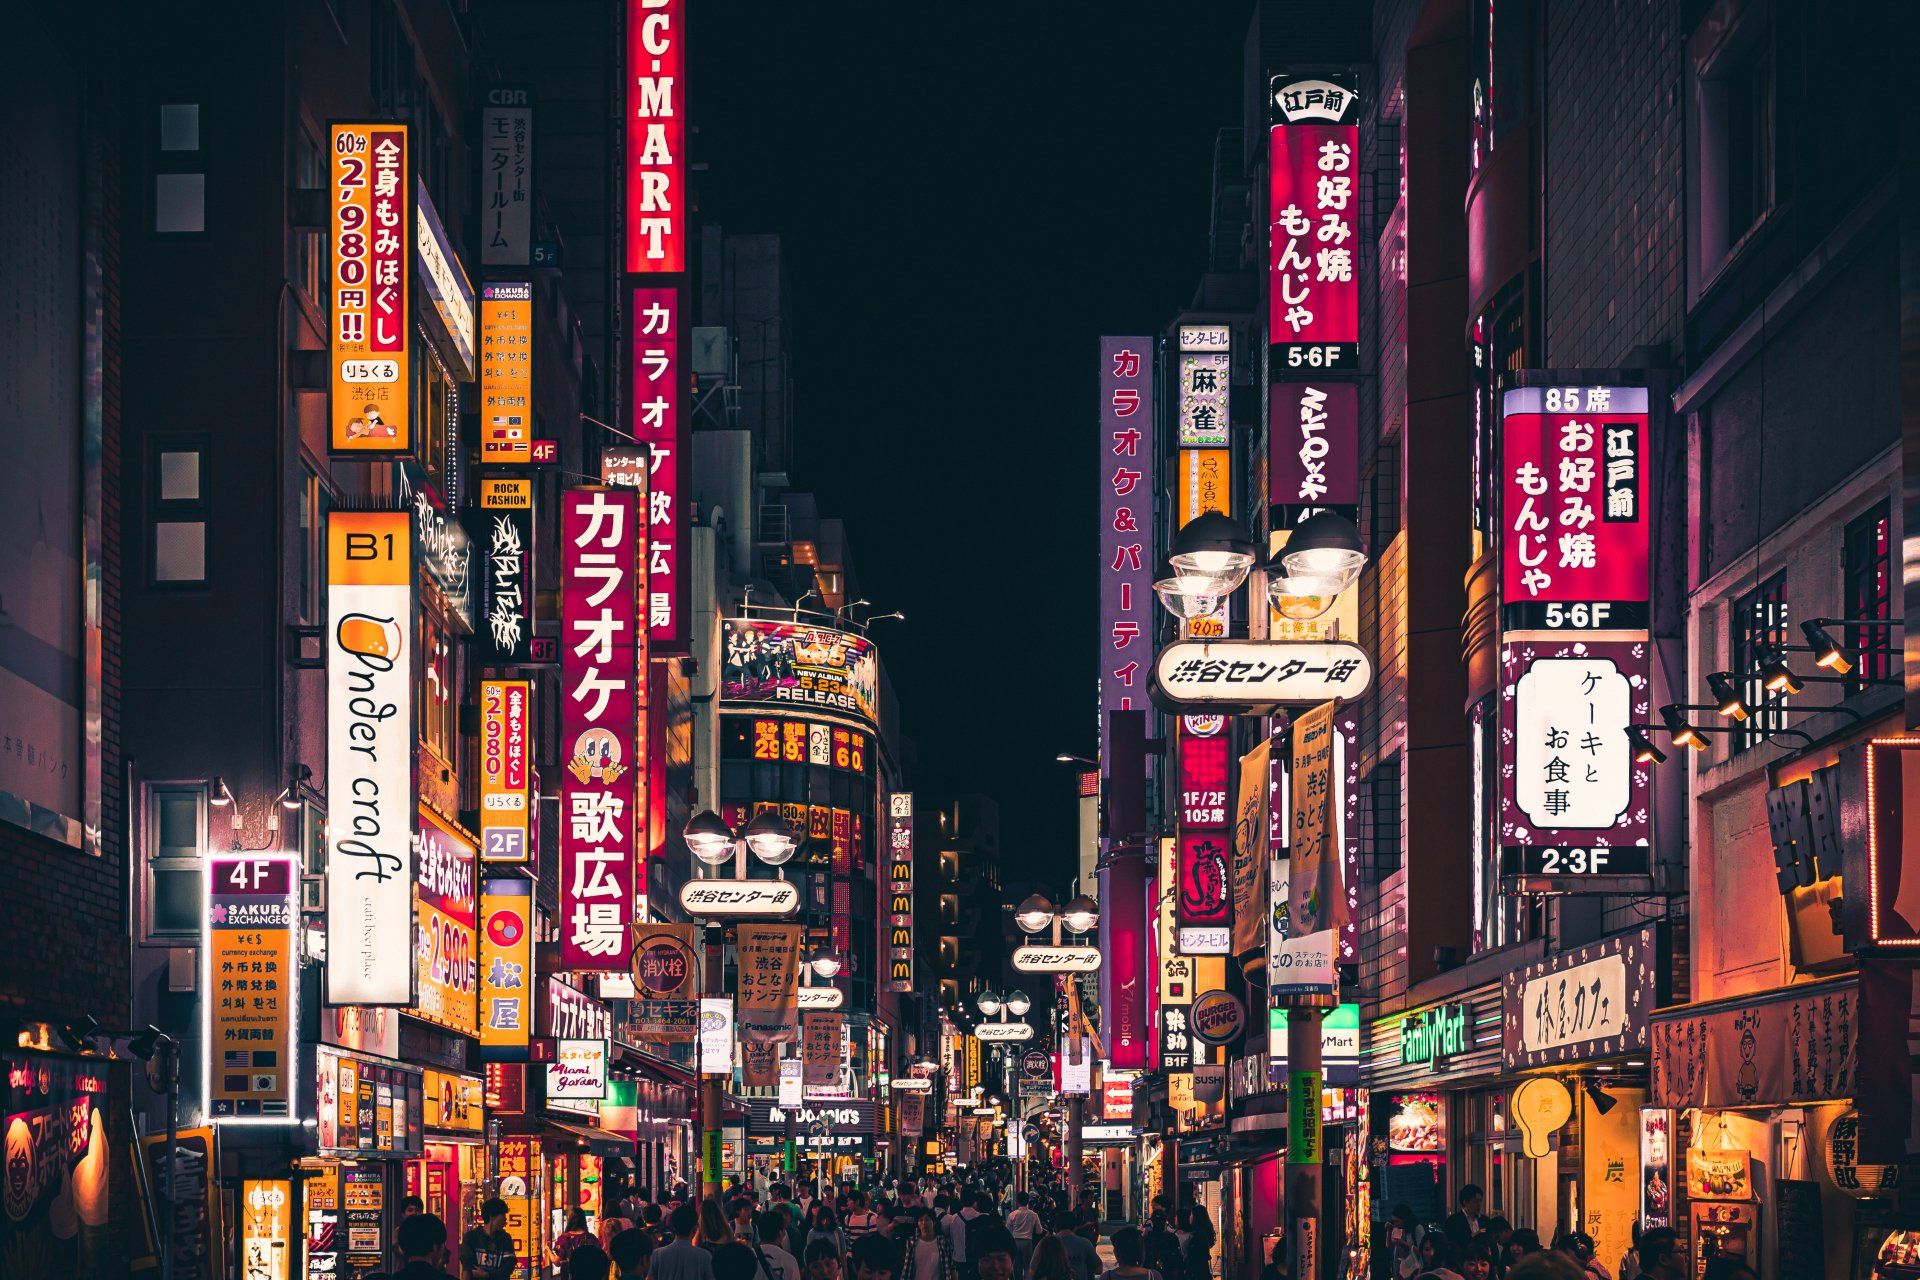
x,y
988,1003
824,963
1326,547
765,836
1081,915
1213,550
769,838
1034,914
709,837
1017,1003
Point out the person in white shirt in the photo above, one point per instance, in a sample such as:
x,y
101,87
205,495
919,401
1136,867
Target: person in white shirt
x,y
775,1262
1023,1224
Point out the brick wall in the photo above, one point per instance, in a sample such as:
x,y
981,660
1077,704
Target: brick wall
x,y
1614,180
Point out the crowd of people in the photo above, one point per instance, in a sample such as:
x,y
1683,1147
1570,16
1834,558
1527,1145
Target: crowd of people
x,y
1473,1245
903,1231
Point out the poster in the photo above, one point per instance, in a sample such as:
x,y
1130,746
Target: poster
x,y
798,666
266,1229
253,976
57,1166
1250,830
1316,898
506,967
666,979
769,972
716,1036
448,970
821,1049
320,1204
370,754
372,237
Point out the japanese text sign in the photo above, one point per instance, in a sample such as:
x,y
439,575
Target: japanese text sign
x,y
1574,502
505,625
1252,677
506,177
448,978
656,162
506,373
506,967
1593,1001
1316,899
769,970
1313,454
253,981
1313,199
1205,380
578,1071
505,793
599,725
370,746
371,194
1125,642
1123,978
900,890
660,419
820,1045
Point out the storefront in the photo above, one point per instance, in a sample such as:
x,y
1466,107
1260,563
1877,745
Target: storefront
x,y
1576,1043
369,1122
59,1161
450,1175
833,1138
1433,1075
1789,1109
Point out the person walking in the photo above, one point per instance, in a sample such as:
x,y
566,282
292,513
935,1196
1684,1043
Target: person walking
x,y
1023,1224
776,1260
567,1241
681,1258
486,1251
1130,1258
929,1253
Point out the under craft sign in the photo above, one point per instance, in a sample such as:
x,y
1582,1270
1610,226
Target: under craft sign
x,y
1251,677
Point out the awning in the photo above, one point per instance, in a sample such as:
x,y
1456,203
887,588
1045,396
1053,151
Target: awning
x,y
599,1141
635,1058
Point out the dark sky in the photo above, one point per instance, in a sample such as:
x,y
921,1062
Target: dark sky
x,y
969,195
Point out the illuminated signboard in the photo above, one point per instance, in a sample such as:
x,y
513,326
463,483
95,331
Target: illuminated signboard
x,y
252,985
506,178
446,280
448,971
656,164
370,756
506,373
800,666
505,795
506,967
599,726
1201,893
371,193
1205,380
1313,245
900,889
1313,450
504,635
1126,525
1574,498
802,742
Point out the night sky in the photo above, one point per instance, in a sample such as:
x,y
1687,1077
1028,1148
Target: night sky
x,y
968,197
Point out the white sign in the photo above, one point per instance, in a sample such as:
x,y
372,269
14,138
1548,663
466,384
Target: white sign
x,y
1205,337
739,899
912,1084
716,1036
616,986
1204,383
578,1071
1038,959
792,1082
1108,1133
1204,940
370,745
1572,762
1598,985
821,997
1235,675
1304,966
990,1031
506,178
1077,1077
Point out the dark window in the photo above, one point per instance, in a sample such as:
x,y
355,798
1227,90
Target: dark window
x,y
176,833
1749,121
179,170
1759,628
177,506
1380,820
307,246
1867,564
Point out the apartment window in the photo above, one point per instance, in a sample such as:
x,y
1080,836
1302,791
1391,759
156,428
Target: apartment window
x,y
1738,156
1380,819
177,501
179,170
307,246
176,832
1383,496
1867,570
1759,625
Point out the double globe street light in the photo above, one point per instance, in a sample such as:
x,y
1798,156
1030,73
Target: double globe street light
x,y
1212,555
998,1008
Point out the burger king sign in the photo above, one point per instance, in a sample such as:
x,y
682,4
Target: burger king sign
x,y
1217,1017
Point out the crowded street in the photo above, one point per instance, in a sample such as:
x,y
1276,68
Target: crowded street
x,y
738,640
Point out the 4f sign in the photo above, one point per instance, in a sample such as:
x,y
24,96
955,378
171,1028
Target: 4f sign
x,y
656,136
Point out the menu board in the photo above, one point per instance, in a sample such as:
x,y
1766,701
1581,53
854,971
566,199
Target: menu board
x,y
1801,1249
362,1197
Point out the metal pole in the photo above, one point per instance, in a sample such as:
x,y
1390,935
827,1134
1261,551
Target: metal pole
x,y
711,1086
173,1125
1304,1165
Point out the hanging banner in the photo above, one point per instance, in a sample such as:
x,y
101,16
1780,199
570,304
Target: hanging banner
x,y
599,725
506,373
370,749
448,979
506,803
821,1049
1574,495
199,1239
1126,616
506,177
1203,908
1313,243
769,976
665,978
1317,899
372,237
252,985
661,420
1250,829
913,1113
1123,978
506,967
759,1064
658,197
900,890
716,1036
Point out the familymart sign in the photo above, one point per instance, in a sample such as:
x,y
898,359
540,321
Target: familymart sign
x,y
1433,1035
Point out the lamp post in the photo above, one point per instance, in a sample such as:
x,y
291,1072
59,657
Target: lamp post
x,y
713,842
1034,916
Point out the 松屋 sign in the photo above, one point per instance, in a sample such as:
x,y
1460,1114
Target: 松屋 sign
x,y
370,745
371,193
506,967
655,145
1253,677
1313,245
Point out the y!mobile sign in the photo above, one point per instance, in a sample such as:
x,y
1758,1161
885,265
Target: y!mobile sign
x,y
372,233
599,726
1126,524
1313,285
370,757
656,136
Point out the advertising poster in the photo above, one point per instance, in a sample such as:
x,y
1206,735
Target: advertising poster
x,y
900,890
370,745
716,1036
520,1188
820,1047
798,666
448,972
662,422
453,1102
506,177
504,636
506,805
769,976
1316,897
506,967
253,981
666,979
371,192
199,1242
655,143
1313,244
1251,825
1127,606
599,725
320,1203
266,1229
506,372
57,1167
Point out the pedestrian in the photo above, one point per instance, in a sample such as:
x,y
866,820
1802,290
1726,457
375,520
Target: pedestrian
x,y
1163,1246
653,1221
588,1262
1081,1253
1578,1245
612,1224
1437,1255
631,1251
1546,1264
486,1251
1661,1257
741,1207
874,1257
1524,1243
1476,1260
1277,1268
567,1241
1130,1258
822,1260
1197,1252
824,1226
1023,1224
422,1242
860,1219
929,1254
994,1255
681,1258
777,1261
1050,1262
1464,1223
